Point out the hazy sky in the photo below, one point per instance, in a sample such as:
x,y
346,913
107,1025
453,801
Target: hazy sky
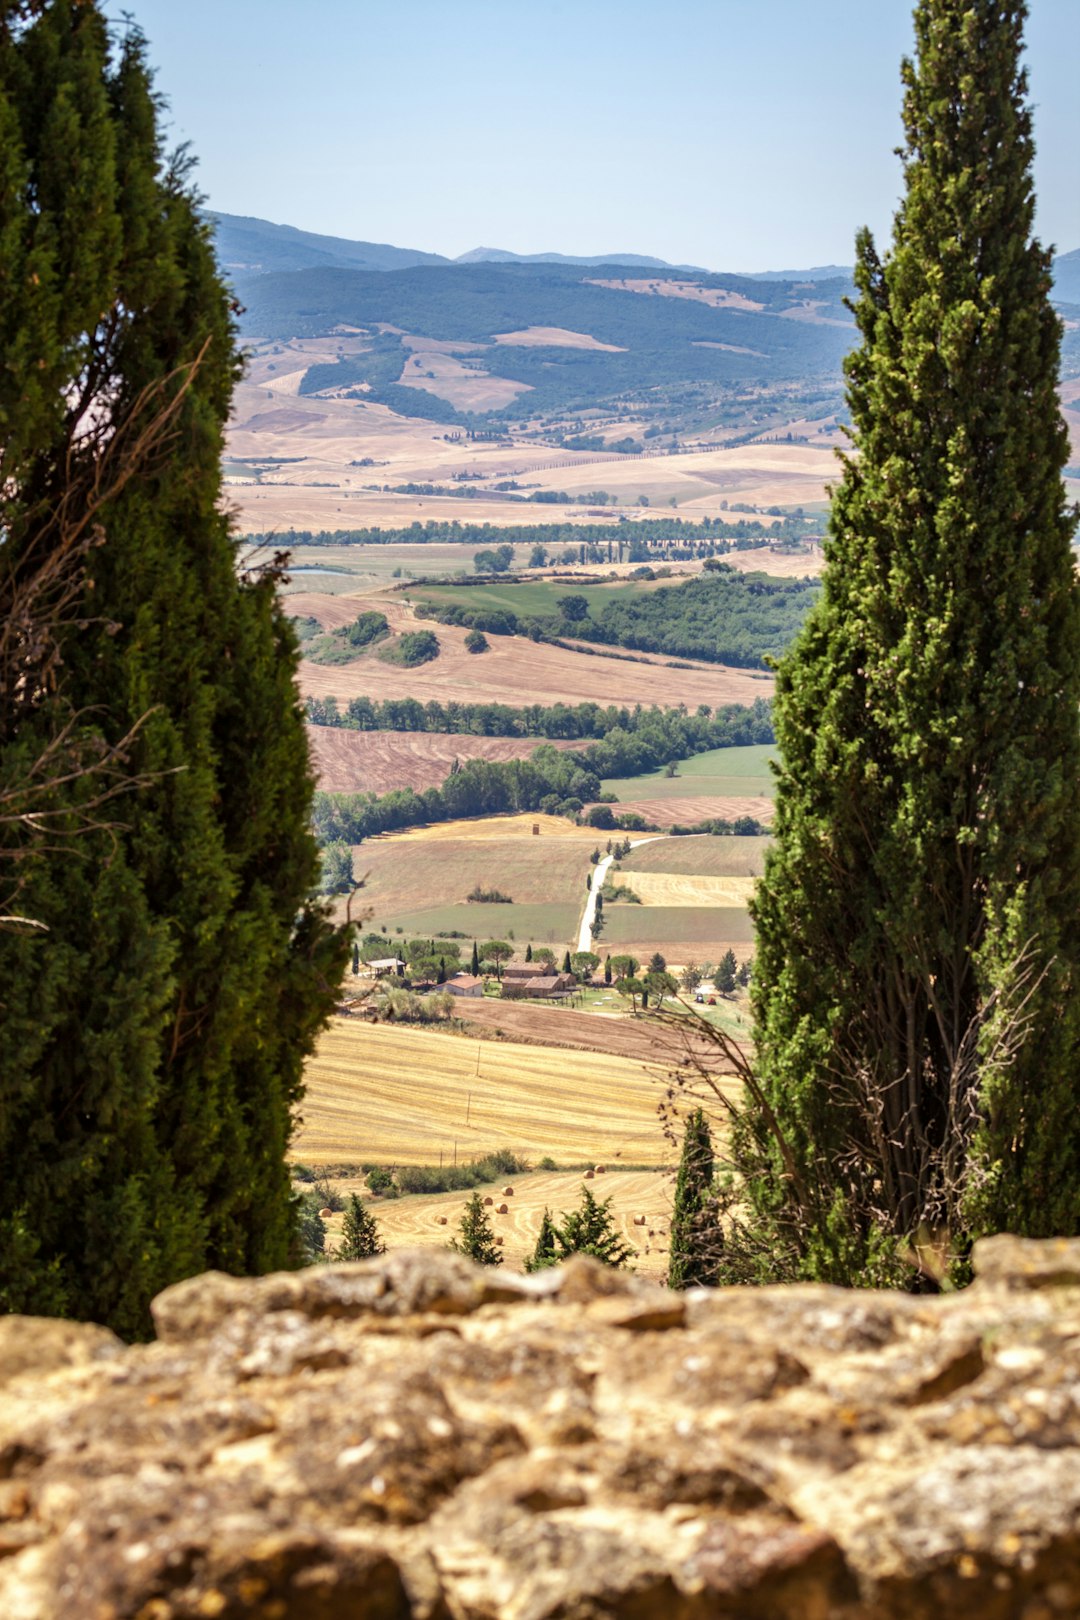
x,y
735,134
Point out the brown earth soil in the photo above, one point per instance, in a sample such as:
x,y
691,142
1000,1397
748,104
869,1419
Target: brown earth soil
x,y
379,761
619,1036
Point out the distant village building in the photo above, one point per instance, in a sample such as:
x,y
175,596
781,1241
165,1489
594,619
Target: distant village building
x,y
385,965
464,984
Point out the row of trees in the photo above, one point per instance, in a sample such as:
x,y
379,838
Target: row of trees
x,y
664,734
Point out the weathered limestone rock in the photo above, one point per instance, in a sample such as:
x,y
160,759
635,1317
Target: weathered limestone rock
x,y
416,1438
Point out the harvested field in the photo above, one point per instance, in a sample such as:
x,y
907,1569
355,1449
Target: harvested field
x,y
404,874
704,853
485,828
517,671
387,1094
671,812
684,930
554,337
417,1220
688,889
378,761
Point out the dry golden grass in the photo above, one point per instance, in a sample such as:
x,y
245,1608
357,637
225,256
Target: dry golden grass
x,y
398,1095
430,1220
491,827
686,889
517,671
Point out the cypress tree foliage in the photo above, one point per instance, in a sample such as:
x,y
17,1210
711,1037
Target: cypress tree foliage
x,y
590,1229
915,988
360,1236
474,966
528,953
153,1036
696,1237
475,1235
544,1254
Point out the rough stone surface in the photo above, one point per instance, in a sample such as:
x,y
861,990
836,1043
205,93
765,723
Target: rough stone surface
x,y
417,1437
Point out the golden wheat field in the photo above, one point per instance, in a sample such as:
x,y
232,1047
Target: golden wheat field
x,y
430,1220
688,889
399,1095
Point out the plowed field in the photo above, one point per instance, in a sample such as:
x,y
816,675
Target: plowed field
x,y
379,761
619,1035
386,1094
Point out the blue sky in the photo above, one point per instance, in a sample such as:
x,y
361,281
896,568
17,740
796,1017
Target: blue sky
x,y
735,134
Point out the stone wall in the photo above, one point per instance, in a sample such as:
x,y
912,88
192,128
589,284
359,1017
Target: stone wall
x,y
414,1436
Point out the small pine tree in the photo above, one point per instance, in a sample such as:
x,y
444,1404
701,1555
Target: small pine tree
x,y
725,973
475,1235
360,1236
544,1253
696,1236
590,1229
657,963
474,966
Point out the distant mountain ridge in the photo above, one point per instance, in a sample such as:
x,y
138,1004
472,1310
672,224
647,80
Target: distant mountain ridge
x,y
251,246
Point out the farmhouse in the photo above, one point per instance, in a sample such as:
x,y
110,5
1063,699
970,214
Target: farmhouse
x,y
541,987
464,984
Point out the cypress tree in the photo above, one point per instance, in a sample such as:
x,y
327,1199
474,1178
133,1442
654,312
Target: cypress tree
x,y
543,1254
915,989
590,1229
474,966
154,1035
696,1237
475,1235
566,967
528,953
360,1236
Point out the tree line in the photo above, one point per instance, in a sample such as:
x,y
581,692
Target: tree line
x,y
442,532
725,617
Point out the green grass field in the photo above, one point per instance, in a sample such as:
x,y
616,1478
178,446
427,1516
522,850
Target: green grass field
x,y
539,597
554,925
692,925
719,773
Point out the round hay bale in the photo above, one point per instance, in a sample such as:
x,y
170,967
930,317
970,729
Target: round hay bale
x,y
589,1174
488,1202
639,1220
508,1192
503,1209
499,1240
325,1214
440,1220
601,1169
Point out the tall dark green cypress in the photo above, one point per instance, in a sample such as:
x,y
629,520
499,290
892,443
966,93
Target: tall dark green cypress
x,y
696,1237
915,990
154,1036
